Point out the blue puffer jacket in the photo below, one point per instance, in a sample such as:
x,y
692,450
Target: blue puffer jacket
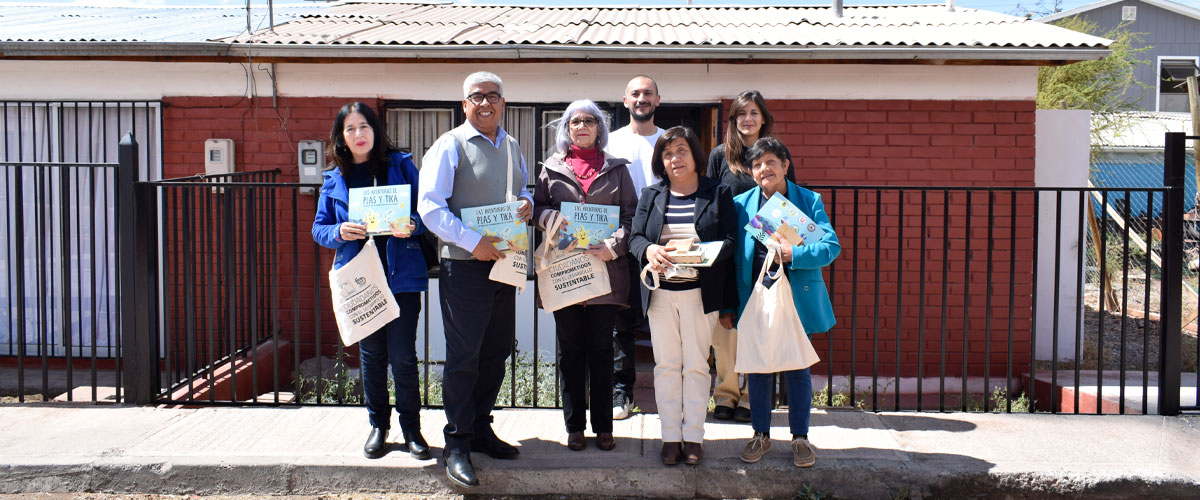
x,y
405,265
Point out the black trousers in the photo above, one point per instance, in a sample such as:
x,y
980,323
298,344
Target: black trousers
x,y
479,316
395,344
584,351
628,321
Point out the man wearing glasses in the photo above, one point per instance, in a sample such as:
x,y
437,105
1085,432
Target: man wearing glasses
x,y
469,166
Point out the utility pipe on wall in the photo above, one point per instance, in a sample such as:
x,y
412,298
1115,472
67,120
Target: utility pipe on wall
x,y
837,8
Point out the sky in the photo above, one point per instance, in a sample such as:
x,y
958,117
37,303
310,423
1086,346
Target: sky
x,y
1015,7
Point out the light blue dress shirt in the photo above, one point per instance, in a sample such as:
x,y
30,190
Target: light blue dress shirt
x,y
437,185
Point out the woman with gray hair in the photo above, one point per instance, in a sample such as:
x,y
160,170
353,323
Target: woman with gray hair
x,y
581,172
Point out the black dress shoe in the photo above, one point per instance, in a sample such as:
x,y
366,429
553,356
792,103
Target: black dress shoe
x,y
459,468
376,445
722,413
417,447
493,447
741,414
576,441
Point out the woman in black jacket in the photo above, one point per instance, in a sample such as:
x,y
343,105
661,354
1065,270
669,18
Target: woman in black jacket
x,y
683,308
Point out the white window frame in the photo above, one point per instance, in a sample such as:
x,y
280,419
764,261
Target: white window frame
x,y
1158,72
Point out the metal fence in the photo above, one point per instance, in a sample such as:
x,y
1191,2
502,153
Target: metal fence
x,y
948,298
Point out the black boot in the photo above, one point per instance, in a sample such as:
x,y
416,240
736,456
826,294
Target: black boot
x,y
376,445
417,447
459,468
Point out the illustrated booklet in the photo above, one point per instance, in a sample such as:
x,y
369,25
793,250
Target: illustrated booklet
x,y
380,207
780,215
587,224
499,220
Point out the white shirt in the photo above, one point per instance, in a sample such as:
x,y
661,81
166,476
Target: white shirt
x,y
639,150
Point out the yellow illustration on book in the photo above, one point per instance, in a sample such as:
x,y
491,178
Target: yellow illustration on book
x,y
583,236
383,223
516,236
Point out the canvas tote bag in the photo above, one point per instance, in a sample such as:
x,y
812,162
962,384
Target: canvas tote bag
x,y
513,267
362,300
771,337
568,278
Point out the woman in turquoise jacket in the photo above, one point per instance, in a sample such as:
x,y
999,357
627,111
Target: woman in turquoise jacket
x,y
361,156
769,165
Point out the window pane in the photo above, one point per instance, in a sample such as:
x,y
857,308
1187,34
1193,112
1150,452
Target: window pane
x,y
416,129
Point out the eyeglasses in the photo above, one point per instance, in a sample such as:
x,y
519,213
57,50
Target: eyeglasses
x,y
583,122
478,98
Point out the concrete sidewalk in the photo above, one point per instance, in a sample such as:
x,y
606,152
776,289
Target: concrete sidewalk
x,y
310,450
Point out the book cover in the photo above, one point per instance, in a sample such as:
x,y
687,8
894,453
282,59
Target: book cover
x,y
380,207
587,224
773,216
499,220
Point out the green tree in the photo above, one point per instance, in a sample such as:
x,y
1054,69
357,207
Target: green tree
x,y
1099,85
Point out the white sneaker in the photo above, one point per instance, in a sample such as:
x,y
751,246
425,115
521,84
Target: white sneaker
x,y
621,412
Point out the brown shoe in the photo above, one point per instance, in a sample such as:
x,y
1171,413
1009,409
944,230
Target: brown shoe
x,y
576,441
692,453
605,441
671,452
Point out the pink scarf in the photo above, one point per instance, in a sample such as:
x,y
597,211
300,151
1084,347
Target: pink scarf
x,y
585,163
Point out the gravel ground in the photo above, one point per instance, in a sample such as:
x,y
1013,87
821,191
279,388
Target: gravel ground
x,y
119,496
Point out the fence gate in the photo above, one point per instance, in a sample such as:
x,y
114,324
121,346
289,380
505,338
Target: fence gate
x,y
59,297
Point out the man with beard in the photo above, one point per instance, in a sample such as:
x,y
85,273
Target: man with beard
x,y
633,142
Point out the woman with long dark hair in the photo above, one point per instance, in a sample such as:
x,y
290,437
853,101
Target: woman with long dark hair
x,y
749,119
360,155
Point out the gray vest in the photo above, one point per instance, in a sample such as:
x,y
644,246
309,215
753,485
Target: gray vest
x,y
479,178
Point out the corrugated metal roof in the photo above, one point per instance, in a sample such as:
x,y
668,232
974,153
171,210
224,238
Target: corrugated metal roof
x,y
914,26
73,23
1147,130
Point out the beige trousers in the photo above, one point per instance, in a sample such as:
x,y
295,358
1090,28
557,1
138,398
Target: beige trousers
x,y
681,334
731,388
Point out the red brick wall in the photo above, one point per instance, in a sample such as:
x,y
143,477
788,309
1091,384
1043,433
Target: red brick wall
x,y
265,138
921,143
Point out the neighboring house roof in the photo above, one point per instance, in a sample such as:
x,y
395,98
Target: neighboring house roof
x,y
1177,8
74,23
427,30
1147,131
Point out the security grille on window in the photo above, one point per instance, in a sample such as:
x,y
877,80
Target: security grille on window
x,y
1172,83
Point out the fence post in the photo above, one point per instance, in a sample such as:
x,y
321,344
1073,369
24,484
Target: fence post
x,y
1172,276
135,229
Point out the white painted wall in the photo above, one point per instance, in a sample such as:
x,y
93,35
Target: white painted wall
x,y
541,82
1061,161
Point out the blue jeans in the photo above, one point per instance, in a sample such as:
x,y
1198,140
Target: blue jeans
x,y
799,391
394,344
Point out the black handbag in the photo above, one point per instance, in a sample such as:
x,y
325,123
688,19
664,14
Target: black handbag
x,y
429,248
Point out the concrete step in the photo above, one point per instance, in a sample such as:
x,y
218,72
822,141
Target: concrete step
x,y
313,450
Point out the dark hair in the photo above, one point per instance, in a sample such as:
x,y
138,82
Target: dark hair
x,y
767,145
733,136
677,132
339,154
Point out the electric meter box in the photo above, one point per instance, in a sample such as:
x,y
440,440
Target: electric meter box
x,y
218,156
310,160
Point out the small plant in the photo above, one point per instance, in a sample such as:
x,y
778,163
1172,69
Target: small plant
x,y
808,492
821,398
342,388
712,404
998,402
527,383
635,409
899,493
